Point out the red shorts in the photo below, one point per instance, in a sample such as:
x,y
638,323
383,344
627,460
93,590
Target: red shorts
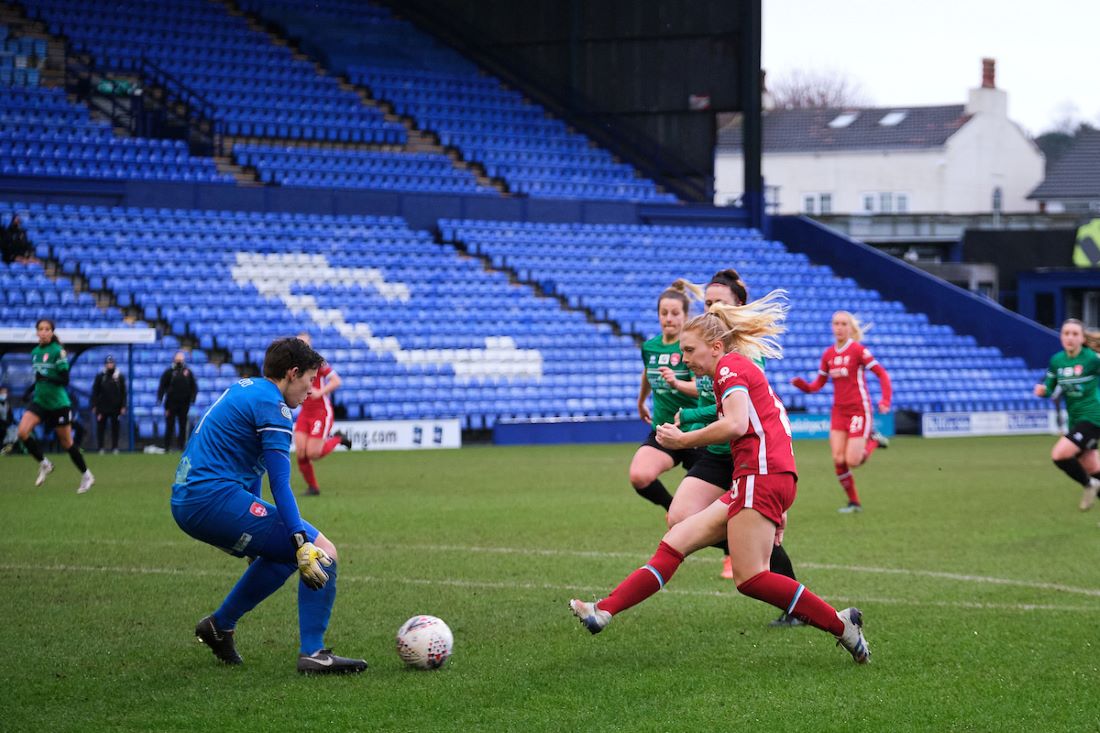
x,y
314,423
771,494
854,421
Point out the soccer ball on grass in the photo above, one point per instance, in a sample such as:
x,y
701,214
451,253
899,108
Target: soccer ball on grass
x,y
424,642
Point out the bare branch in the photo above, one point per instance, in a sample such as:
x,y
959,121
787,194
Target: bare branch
x,y
801,89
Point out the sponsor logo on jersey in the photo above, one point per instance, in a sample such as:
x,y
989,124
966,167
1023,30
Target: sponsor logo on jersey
x,y
662,359
675,359
1078,368
724,372
285,410
257,509
652,359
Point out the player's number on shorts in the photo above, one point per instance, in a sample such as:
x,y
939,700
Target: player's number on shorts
x,y
316,426
857,424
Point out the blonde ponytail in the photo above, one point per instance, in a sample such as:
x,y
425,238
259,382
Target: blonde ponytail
x,y
748,329
1092,340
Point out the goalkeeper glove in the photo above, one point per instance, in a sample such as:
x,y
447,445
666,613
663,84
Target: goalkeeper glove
x,y
310,559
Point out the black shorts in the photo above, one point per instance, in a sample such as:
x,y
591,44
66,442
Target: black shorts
x,y
51,419
714,468
1084,435
686,456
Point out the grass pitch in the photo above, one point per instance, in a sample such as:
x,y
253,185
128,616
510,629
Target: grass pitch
x,y
974,569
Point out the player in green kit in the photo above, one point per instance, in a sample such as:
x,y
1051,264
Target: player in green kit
x,y
1076,372
51,405
662,361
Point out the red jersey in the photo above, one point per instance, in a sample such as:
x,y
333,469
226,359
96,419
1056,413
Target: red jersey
x,y
323,405
845,366
766,445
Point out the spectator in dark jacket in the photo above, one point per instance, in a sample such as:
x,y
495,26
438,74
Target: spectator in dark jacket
x,y
179,391
16,247
8,435
108,402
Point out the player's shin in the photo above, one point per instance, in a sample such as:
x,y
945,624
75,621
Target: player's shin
x,y
77,457
656,493
1073,468
847,482
794,599
32,446
262,578
306,467
645,581
314,611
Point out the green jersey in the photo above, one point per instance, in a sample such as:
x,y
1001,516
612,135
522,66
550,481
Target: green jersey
x,y
706,412
50,362
1077,378
666,400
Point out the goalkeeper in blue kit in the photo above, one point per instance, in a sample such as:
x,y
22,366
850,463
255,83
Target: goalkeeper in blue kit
x,y
216,498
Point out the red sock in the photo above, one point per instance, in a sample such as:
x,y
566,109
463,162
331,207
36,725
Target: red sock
x,y
329,445
306,467
794,598
869,448
643,582
844,476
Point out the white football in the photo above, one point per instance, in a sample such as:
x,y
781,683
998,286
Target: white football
x,y
424,642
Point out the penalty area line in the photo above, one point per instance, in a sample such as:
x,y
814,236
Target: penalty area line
x,y
569,588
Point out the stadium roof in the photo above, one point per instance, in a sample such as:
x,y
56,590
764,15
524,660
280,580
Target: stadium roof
x,y
1076,175
847,129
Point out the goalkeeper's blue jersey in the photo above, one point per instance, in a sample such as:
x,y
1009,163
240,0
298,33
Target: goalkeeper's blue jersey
x,y
227,447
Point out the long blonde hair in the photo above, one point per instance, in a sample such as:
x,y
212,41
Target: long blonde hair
x,y
858,329
748,329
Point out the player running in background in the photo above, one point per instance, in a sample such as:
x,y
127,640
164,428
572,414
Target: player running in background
x,y
51,405
663,353
311,429
725,342
851,436
712,474
1076,372
216,498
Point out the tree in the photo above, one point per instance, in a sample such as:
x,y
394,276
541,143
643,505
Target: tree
x,y
800,89
1055,143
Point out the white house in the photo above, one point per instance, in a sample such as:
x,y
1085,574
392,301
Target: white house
x,y
957,159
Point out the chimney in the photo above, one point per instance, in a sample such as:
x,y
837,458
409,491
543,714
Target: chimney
x,y
989,72
988,99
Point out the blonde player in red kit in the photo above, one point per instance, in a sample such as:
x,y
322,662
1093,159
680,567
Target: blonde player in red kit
x,y
311,429
724,342
851,436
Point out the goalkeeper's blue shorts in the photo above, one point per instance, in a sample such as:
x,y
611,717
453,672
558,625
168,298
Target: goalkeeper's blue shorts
x,y
242,524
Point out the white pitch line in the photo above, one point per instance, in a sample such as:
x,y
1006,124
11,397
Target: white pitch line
x,y
637,556
497,585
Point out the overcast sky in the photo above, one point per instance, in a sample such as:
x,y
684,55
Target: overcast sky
x,y
928,53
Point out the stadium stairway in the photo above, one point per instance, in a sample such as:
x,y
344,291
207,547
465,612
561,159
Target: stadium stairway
x,y
417,140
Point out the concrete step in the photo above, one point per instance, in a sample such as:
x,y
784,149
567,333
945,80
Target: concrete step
x,y
242,175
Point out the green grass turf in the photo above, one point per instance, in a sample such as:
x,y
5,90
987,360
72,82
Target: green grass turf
x,y
974,569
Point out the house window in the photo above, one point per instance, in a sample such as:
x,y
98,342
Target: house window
x,y
868,203
808,204
998,198
893,118
902,201
843,120
885,202
826,201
